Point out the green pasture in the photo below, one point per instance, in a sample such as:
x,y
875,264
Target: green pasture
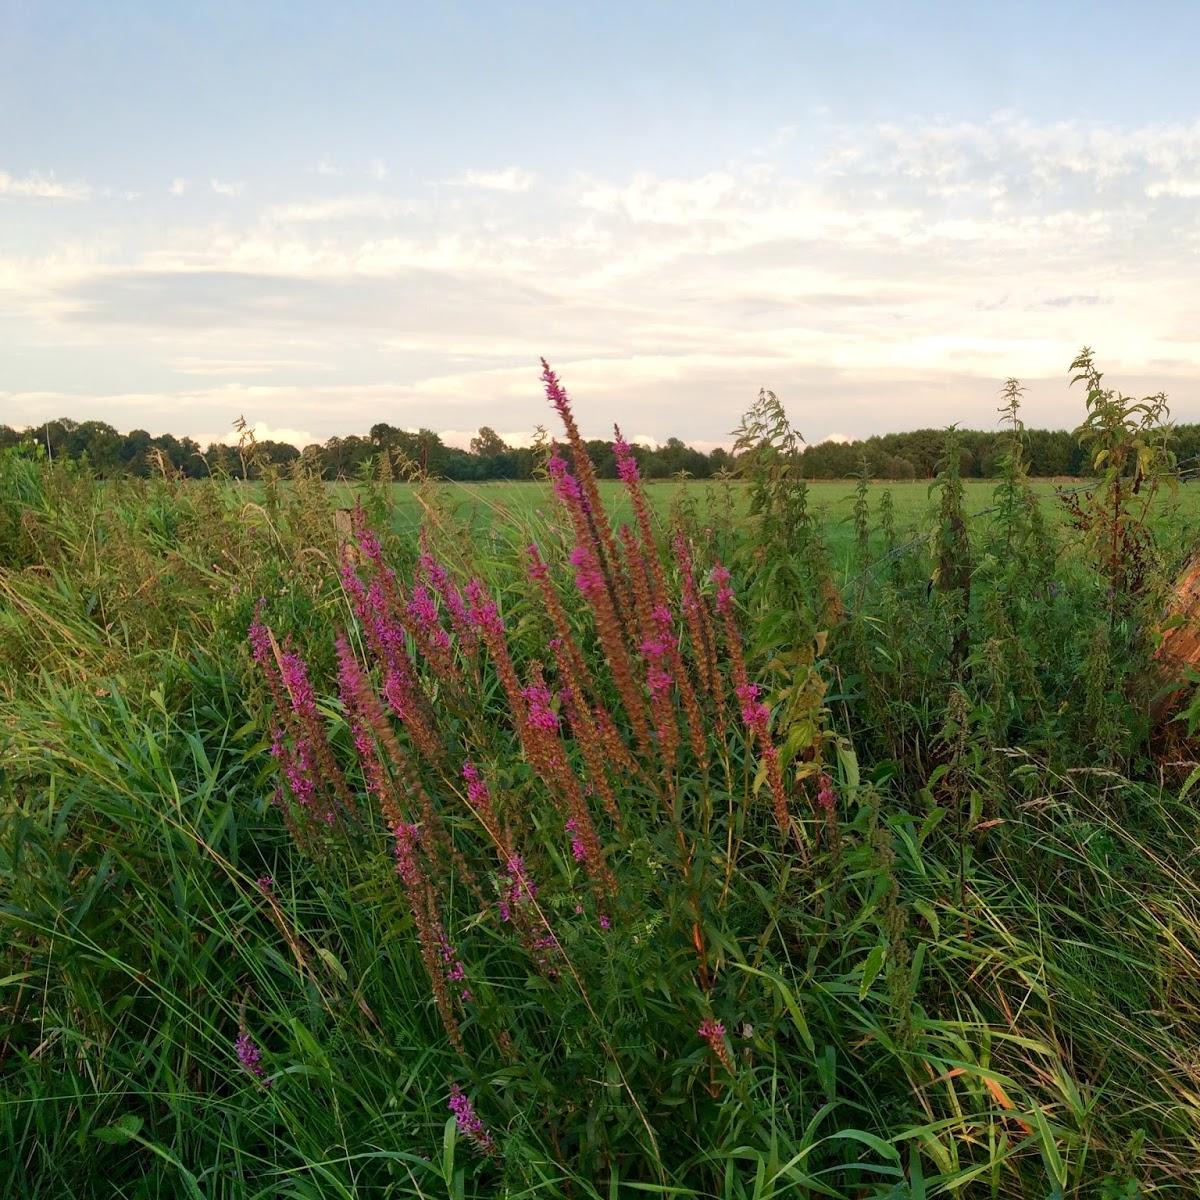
x,y
489,507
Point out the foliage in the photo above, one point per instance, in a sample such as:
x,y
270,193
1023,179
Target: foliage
x,y
897,915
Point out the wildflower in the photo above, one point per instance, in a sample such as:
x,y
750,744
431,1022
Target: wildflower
x,y
826,796
452,598
588,577
440,959
468,1122
265,884
250,1057
482,611
566,486
720,576
755,714
423,611
578,849
627,468
713,1032
538,700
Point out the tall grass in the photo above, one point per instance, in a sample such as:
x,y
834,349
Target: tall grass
x,y
911,915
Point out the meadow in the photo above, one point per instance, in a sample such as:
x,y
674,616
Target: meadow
x,y
733,840
483,507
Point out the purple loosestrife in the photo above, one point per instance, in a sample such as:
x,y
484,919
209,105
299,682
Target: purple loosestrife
x,y
704,647
578,674
547,754
517,888
386,639
601,535
540,715
755,715
657,651
659,646
387,768
428,633
537,727
590,582
827,803
627,469
308,763
468,1123
713,1032
452,599
596,752
431,935
578,849
250,1057
352,686
480,799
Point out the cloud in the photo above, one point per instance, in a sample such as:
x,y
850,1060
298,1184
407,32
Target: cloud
x,y
41,187
226,189
892,279
178,187
324,167
378,169
511,179
239,367
372,206
264,432
1188,188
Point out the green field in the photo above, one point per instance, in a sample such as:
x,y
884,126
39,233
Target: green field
x,y
484,507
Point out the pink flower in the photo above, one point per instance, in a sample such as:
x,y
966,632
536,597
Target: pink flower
x,y
541,716
482,610
407,838
720,576
578,849
250,1057
826,796
588,577
627,467
566,486
468,1122
755,715
555,392
260,639
537,568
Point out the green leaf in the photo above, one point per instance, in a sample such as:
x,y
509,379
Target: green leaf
x,y
871,969
1049,1148
123,1130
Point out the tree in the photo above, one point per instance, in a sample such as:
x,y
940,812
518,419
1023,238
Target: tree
x,y
487,443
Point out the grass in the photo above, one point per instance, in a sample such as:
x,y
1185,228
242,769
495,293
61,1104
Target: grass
x,y
980,980
483,507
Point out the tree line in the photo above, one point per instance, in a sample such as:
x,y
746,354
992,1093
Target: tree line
x,y
912,455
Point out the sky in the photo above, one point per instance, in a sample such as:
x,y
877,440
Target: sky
x,y
322,216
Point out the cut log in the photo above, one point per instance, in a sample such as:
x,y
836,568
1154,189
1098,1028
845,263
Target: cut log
x,y
1179,652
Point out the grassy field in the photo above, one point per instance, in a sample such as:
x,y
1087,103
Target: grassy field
x,y
847,874
482,507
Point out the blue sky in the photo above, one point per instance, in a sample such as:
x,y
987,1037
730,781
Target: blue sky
x,y
322,216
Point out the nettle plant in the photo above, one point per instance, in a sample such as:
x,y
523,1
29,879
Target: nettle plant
x,y
582,796
1128,441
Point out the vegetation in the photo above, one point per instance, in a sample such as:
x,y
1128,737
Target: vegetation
x,y
401,453
724,851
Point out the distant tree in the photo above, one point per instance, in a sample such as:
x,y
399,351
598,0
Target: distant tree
x,y
487,443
